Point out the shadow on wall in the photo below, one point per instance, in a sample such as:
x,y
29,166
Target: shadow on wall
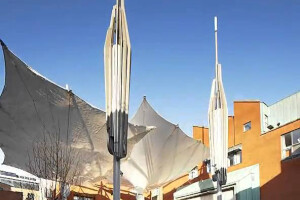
x,y
286,185
10,195
248,194
106,193
103,193
203,176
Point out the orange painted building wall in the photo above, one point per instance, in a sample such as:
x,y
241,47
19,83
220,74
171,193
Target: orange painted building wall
x,y
278,179
265,149
10,195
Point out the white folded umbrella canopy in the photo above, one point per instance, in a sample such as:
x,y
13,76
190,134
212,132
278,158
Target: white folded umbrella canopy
x,y
218,125
163,155
117,61
33,108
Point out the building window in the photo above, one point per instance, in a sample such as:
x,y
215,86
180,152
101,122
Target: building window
x,y
290,143
235,155
247,126
234,158
193,173
208,166
156,194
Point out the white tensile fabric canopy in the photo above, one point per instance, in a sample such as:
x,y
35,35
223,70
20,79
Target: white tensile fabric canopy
x,y
163,155
32,106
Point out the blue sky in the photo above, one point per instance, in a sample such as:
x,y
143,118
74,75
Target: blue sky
x,y
173,49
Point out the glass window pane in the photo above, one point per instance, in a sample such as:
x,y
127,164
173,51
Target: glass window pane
x,y
231,159
234,159
288,140
296,149
239,157
208,168
296,136
247,126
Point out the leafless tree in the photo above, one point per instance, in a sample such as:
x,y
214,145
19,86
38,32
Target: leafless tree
x,y
55,160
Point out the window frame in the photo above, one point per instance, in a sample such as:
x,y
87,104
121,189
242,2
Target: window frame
x,y
194,173
237,153
236,150
291,147
156,194
244,125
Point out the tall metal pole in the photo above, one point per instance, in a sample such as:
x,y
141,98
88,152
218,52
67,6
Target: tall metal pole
x,y
219,187
116,178
219,191
116,162
216,41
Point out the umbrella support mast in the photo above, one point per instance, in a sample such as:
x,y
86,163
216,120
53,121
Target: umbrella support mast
x,y
218,175
116,178
219,189
117,161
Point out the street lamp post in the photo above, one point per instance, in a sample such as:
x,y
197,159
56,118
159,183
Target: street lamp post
x,y
117,64
218,126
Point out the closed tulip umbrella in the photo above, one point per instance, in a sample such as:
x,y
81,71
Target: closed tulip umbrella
x,y
218,126
117,61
